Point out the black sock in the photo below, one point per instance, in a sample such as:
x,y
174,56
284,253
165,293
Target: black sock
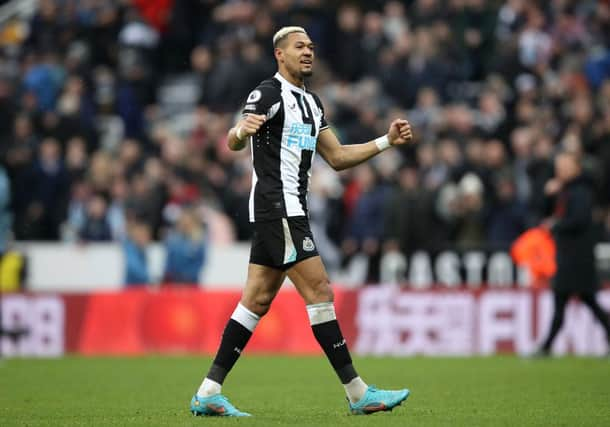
x,y
561,300
234,340
332,342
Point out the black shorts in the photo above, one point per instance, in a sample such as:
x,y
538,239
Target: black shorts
x,y
281,243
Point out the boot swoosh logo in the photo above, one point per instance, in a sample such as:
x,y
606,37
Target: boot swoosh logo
x,y
375,407
216,408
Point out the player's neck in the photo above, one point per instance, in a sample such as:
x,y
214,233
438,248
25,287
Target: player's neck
x,y
296,81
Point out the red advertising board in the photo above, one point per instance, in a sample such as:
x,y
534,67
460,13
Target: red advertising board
x,y
380,320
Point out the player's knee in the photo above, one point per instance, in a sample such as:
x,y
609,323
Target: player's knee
x,y
259,304
263,302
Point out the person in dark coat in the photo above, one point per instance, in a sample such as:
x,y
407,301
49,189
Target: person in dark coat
x,y
410,222
573,231
96,227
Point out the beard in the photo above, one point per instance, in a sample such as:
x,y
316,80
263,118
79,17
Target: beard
x,y
307,73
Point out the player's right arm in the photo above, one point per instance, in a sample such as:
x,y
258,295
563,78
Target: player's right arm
x,y
246,127
261,105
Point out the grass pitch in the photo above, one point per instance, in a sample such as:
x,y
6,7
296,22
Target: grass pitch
x,y
303,391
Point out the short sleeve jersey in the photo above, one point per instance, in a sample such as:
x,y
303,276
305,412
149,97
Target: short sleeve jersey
x,y
283,149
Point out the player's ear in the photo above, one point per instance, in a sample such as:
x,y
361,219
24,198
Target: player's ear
x,y
279,54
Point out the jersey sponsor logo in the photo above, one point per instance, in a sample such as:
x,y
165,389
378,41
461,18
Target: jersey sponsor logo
x,y
308,244
250,107
299,136
254,96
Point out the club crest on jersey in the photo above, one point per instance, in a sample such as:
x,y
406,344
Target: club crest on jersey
x,y
254,96
308,244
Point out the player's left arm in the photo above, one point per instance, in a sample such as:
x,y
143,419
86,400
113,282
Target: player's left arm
x,y
341,157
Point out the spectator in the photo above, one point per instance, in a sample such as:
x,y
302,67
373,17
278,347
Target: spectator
x,y
96,227
43,78
76,211
116,209
144,202
373,41
534,43
507,217
426,115
45,202
76,160
185,248
409,220
365,226
470,211
347,40
202,61
135,245
521,144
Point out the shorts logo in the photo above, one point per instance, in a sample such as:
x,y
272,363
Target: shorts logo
x,y
254,96
308,244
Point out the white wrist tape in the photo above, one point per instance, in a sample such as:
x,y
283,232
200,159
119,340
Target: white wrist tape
x,y
383,143
238,134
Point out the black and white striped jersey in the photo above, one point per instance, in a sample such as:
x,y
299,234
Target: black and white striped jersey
x,y
283,149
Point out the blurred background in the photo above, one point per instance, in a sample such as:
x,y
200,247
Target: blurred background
x,y
115,172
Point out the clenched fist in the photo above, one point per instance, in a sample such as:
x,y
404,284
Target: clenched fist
x,y
249,125
400,132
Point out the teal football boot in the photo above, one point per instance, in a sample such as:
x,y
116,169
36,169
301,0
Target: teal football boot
x,y
216,405
378,400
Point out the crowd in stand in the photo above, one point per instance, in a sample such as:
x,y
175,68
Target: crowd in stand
x,y
113,122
